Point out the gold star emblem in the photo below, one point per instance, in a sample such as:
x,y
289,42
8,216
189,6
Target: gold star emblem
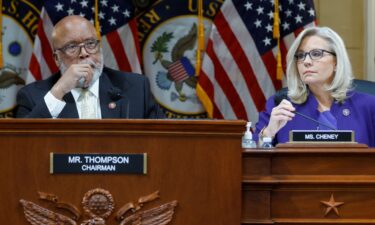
x,y
332,205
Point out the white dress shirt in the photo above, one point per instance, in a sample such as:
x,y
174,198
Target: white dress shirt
x,y
55,106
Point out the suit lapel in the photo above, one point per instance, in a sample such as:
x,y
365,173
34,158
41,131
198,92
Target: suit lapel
x,y
105,99
70,109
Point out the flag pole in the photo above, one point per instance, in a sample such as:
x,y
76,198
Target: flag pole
x,y
97,25
1,35
205,99
276,35
200,35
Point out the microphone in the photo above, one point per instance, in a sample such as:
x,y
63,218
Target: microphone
x,y
127,108
81,82
283,93
115,95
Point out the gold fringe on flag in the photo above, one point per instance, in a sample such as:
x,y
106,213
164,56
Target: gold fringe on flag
x,y
1,36
200,47
97,25
276,35
206,101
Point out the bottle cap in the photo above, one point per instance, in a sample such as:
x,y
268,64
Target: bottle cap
x,y
248,134
267,139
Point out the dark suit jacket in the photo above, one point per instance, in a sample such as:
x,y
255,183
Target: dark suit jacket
x,y
136,100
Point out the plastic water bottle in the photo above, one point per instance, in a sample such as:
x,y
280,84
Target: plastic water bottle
x,y
247,138
267,142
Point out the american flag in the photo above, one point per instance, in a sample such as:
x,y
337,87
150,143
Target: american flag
x,y
239,68
117,27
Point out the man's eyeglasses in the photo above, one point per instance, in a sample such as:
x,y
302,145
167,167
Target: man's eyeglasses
x,y
73,50
314,54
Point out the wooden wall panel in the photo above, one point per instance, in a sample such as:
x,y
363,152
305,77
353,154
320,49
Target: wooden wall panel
x,y
197,163
347,18
287,185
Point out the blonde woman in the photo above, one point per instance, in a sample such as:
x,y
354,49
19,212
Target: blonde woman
x,y
320,78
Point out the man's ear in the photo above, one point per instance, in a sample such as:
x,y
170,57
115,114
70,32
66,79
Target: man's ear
x,y
56,58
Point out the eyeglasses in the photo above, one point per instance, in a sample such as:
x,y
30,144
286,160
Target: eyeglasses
x,y
314,54
73,50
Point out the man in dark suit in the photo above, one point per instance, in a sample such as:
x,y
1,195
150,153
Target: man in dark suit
x,y
84,88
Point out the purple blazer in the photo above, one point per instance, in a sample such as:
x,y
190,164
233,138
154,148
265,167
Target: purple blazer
x,y
360,119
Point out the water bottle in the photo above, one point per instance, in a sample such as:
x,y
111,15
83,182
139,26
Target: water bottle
x,y
267,142
247,138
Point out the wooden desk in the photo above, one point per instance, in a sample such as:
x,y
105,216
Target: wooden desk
x,y
197,163
287,185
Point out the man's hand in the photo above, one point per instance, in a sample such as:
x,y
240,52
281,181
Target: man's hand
x,y
71,79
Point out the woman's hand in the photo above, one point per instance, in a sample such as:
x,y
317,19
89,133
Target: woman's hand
x,y
280,115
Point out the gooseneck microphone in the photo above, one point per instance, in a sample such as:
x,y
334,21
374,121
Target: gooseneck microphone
x,y
115,94
283,94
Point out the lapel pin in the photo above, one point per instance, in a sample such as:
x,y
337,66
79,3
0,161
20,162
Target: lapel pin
x,y
112,105
346,112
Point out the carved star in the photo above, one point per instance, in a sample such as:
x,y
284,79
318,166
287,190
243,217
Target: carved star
x,y
332,205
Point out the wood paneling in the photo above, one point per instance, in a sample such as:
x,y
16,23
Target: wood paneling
x,y
197,163
347,18
287,185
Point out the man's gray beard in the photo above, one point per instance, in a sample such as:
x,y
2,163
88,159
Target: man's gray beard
x,y
97,67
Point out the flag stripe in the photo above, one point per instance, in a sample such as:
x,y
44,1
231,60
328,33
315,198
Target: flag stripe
x,y
228,88
38,54
239,55
237,78
284,51
134,36
248,45
220,99
129,40
35,68
114,42
47,49
239,66
38,68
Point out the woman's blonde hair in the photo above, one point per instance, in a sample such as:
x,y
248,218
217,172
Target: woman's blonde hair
x,y
343,77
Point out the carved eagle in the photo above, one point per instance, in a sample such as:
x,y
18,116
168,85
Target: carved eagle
x,y
98,205
156,216
38,215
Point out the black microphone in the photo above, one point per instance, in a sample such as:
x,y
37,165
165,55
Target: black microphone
x,y
127,108
115,93
283,93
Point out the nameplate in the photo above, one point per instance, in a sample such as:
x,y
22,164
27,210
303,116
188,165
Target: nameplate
x,y
321,136
93,163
